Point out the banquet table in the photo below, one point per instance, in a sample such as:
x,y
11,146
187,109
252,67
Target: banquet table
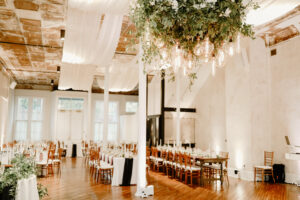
x,y
210,161
27,189
125,169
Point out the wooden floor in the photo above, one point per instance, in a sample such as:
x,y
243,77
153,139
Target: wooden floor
x,y
75,183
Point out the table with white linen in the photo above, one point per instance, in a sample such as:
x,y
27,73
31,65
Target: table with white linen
x,y
118,164
78,149
27,189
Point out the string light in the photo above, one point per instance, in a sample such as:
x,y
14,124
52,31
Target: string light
x,y
221,57
213,67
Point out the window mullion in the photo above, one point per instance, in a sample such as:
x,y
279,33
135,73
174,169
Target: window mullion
x,y
29,119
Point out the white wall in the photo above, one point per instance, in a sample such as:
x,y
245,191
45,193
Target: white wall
x,y
249,106
285,103
4,102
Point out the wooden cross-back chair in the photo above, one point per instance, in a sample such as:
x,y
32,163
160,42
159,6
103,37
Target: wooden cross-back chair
x,y
191,171
267,168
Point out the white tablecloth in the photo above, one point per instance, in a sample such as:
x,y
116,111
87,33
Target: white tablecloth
x,y
78,149
27,189
118,164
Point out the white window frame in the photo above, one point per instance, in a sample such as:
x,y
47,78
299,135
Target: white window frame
x,y
117,123
29,116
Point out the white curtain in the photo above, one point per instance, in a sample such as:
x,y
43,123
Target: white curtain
x,y
123,77
88,39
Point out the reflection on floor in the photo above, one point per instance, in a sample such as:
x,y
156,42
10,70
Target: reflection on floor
x,y
75,183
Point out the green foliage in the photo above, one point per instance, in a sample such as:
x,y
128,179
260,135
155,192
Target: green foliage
x,y
22,168
184,22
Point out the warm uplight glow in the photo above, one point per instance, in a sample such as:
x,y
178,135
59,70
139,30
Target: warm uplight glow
x,y
239,159
217,149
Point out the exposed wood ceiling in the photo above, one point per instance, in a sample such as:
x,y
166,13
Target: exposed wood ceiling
x,y
31,46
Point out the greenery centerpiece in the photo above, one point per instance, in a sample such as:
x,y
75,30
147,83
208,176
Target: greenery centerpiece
x,y
184,33
22,168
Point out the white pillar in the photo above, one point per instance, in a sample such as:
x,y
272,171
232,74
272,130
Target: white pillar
x,y
88,134
178,108
141,176
106,104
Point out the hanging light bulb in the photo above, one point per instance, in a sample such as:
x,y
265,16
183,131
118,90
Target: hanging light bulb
x,y
190,64
147,35
221,58
190,61
164,54
177,60
238,43
198,48
184,71
208,48
159,43
213,67
230,49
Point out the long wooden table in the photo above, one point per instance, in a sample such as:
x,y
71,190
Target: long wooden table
x,y
218,160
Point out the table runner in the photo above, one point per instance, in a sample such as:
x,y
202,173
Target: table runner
x,y
127,173
74,151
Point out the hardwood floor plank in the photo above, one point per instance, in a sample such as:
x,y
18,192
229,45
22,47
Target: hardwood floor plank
x,y
76,183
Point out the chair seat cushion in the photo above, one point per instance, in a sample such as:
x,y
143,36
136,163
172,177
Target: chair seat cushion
x,y
192,168
263,167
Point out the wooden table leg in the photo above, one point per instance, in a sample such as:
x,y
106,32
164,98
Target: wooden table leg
x,y
201,174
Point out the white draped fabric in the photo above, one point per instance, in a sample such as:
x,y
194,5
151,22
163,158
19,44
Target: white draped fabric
x,y
88,39
123,77
27,189
78,77
270,10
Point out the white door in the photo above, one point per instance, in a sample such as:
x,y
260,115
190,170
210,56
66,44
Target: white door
x,y
69,125
76,125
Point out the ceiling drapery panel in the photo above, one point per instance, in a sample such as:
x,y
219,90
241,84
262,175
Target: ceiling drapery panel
x,y
123,76
90,40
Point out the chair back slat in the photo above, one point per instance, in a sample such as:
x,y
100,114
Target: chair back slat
x,y
268,158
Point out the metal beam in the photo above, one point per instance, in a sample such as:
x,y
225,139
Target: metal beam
x,y
171,109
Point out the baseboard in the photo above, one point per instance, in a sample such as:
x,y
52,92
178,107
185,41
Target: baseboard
x,y
248,175
292,178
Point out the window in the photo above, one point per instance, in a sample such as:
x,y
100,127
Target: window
x,y
29,118
113,121
131,106
37,119
21,119
70,103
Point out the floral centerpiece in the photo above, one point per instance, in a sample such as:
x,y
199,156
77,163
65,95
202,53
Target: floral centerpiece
x,y
184,33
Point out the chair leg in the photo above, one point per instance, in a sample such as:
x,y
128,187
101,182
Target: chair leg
x,y
262,176
273,176
186,177
254,174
